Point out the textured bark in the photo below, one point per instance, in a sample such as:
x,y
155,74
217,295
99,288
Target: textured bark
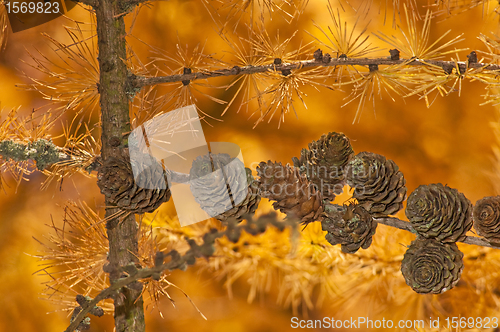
x,y
123,235
141,81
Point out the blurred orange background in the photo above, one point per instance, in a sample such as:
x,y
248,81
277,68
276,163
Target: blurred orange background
x,y
450,142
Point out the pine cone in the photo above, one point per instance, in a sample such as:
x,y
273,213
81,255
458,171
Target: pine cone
x,y
292,192
350,226
486,215
378,184
224,191
439,212
115,178
324,162
248,205
430,266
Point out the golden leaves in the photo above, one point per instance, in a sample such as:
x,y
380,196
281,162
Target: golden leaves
x,y
282,88
435,79
414,43
455,7
22,129
248,12
493,45
74,256
248,85
275,90
76,253
342,40
71,77
285,89
366,86
82,151
186,61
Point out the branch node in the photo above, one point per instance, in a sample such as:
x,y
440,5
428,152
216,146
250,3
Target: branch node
x,y
318,55
159,257
130,87
114,141
237,70
131,269
372,67
137,285
472,57
187,71
277,61
394,54
448,68
327,58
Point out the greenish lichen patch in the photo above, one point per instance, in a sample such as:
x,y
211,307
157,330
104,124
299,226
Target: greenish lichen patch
x,y
42,151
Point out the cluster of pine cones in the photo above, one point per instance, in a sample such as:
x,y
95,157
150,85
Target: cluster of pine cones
x,y
441,216
379,191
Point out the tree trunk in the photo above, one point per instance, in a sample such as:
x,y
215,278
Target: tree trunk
x,y
122,236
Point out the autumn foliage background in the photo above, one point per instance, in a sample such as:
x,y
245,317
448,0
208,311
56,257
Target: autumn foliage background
x,y
451,142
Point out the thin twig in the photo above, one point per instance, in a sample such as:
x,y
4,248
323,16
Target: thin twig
x,y
106,293
46,153
232,232
405,225
136,82
43,152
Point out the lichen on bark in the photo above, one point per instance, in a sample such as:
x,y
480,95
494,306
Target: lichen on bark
x,y
42,151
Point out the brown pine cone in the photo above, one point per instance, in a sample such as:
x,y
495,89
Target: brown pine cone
x,y
324,163
223,187
378,184
350,226
292,192
430,266
248,205
146,193
486,215
439,212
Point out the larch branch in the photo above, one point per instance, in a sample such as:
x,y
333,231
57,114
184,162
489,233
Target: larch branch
x,y
137,82
206,250
405,225
42,151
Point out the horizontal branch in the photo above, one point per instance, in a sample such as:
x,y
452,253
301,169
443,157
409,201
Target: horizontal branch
x,y
405,225
45,153
137,82
42,151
